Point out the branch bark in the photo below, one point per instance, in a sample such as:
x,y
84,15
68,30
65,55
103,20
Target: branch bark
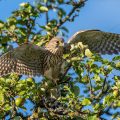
x,y
76,5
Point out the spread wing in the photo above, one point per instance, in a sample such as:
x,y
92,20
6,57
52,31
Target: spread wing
x,y
98,41
27,59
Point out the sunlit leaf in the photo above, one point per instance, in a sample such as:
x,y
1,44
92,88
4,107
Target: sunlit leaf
x,y
86,102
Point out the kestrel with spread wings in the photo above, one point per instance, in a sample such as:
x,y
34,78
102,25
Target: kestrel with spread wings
x,y
32,60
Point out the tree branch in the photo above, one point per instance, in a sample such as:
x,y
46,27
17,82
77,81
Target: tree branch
x,y
77,5
47,17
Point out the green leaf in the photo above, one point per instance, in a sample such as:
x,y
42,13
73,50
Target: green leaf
x,y
12,28
17,118
61,13
5,39
97,77
86,102
47,28
88,53
118,103
65,29
11,20
19,101
7,107
115,92
30,81
76,90
1,98
24,4
108,99
116,58
118,64
24,108
93,117
1,25
43,9
97,106
22,92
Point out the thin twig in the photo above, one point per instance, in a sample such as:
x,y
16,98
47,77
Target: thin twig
x,y
90,82
101,112
61,22
47,17
104,83
29,27
68,67
15,37
103,92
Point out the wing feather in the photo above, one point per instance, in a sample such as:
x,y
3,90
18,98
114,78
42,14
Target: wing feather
x,y
98,41
27,59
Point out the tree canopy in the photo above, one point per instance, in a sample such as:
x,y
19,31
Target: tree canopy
x,y
90,89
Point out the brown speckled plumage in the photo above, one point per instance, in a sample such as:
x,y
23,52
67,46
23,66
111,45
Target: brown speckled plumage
x,y
32,60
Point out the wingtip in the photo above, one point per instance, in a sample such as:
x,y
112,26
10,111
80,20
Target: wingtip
x,y
79,32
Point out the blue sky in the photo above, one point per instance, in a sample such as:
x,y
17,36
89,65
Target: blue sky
x,y
97,14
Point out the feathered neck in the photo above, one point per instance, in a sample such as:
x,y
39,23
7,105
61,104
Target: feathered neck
x,y
56,51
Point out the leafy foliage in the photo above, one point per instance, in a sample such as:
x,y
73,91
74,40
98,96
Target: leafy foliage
x,y
88,90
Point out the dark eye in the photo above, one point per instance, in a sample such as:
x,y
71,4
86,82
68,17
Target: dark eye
x,y
57,42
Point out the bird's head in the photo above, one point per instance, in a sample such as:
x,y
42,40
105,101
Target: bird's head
x,y
56,45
